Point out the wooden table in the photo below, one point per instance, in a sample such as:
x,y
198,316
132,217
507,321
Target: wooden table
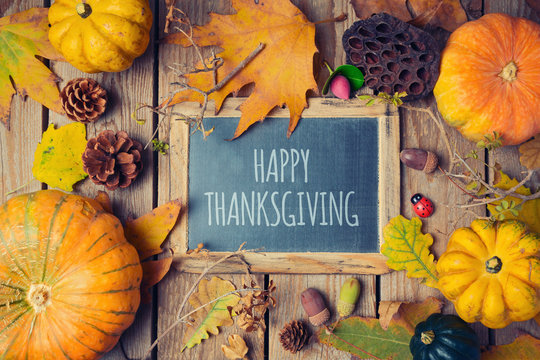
x,y
148,82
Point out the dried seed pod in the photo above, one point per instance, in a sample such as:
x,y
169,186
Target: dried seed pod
x,y
315,307
419,159
394,56
348,296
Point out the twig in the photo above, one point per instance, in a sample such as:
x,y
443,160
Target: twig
x,y
21,187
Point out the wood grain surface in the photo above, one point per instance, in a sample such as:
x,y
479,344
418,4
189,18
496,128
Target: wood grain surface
x,y
165,178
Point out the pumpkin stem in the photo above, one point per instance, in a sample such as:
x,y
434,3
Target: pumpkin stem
x,y
427,337
83,9
509,72
39,296
493,265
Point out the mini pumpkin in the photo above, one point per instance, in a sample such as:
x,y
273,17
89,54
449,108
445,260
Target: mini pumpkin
x,y
444,337
489,78
491,272
69,279
100,35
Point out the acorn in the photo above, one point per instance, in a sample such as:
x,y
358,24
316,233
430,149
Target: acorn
x,y
315,307
348,296
419,159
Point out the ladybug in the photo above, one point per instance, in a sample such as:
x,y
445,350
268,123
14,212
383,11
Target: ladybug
x,y
422,205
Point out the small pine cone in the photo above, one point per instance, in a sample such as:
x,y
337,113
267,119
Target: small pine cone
x,y
83,100
113,160
294,336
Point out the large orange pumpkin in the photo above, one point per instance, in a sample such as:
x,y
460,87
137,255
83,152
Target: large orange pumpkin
x,y
490,78
69,280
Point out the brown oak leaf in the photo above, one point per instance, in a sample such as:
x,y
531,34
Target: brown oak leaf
x,y
448,14
23,36
282,71
530,154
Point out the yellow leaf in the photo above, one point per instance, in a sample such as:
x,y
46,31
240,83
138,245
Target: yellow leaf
x,y
530,209
408,249
237,348
153,272
282,72
23,36
213,315
530,154
148,232
58,157
524,347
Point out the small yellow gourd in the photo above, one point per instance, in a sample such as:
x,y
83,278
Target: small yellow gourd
x,y
100,35
491,272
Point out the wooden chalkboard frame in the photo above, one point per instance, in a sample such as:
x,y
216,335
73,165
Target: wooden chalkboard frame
x,y
296,262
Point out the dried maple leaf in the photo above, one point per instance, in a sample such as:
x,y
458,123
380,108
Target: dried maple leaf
x,y
449,14
213,315
282,72
58,157
252,307
237,348
23,36
153,272
530,154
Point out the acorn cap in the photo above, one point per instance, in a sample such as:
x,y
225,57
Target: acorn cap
x,y
431,163
320,318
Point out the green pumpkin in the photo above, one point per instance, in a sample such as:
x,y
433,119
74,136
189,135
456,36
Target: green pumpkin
x,y
444,337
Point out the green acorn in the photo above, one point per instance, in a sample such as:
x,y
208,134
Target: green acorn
x,y
350,291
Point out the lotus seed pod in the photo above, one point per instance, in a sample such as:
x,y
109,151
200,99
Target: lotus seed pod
x,y
350,292
315,307
340,87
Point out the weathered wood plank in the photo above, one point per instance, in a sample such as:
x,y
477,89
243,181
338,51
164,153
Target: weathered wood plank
x,y
125,90
18,144
288,290
508,158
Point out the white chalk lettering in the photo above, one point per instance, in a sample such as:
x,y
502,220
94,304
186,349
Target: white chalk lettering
x,y
283,207
276,209
233,207
258,165
355,217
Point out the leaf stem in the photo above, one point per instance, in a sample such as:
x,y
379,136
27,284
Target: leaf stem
x,y
339,18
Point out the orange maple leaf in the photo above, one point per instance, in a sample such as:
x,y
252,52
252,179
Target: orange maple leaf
x,y
23,36
282,72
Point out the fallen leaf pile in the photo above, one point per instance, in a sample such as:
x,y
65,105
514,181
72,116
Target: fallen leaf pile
x,y
408,249
147,233
23,36
57,159
282,71
448,14
215,314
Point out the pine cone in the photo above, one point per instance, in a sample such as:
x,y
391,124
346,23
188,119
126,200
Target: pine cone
x,y
83,100
294,336
113,160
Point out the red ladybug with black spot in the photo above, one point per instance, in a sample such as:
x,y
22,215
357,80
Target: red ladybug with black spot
x,y
422,206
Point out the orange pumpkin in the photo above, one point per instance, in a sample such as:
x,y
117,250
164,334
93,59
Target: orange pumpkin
x,y
69,280
490,78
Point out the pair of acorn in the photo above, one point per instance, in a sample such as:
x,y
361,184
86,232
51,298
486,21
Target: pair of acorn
x,y
316,309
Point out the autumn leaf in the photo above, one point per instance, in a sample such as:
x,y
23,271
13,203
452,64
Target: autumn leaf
x,y
209,318
408,249
153,272
528,211
58,157
23,36
282,72
448,14
369,335
524,347
530,154
148,232
237,348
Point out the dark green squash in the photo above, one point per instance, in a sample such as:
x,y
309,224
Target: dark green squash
x,y
444,337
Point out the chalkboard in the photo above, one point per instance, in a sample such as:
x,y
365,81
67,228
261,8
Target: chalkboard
x,y
312,203
316,191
